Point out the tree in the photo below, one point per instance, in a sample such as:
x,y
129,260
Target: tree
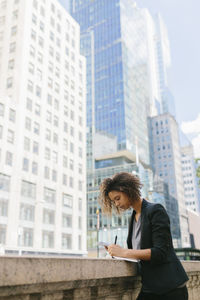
x,y
197,160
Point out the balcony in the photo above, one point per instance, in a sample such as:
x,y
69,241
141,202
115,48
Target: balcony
x,y
46,278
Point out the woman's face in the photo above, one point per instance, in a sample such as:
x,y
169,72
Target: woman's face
x,y
120,199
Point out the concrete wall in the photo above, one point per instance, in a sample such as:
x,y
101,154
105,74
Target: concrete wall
x,y
39,278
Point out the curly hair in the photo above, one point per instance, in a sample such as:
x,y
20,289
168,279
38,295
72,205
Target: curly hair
x,y
122,182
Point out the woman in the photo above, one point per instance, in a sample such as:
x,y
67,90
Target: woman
x,y
149,239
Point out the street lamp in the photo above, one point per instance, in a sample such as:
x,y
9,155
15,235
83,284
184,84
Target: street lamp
x,y
97,213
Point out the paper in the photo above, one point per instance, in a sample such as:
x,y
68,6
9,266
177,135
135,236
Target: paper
x,y
103,244
124,258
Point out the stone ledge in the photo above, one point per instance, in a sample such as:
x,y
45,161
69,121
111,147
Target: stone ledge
x,y
50,278
33,270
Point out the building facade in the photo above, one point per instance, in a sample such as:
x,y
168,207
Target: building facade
x,y
42,129
189,178
167,165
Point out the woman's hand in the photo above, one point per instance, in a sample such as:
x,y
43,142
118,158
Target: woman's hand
x,y
116,250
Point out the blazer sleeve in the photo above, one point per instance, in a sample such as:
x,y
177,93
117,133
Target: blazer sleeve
x,y
161,235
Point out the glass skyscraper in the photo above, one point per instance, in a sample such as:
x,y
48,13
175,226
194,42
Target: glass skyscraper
x,y
121,91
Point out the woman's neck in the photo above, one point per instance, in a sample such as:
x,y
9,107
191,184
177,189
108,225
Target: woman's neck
x,y
137,206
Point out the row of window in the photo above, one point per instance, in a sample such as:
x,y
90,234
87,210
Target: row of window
x,y
26,235
27,213
28,190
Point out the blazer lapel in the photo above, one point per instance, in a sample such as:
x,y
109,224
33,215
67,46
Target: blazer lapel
x,y
143,213
130,230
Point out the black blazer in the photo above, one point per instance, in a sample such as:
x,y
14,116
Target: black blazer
x,y
163,272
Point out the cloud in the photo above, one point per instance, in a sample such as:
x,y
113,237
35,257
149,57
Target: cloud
x,y
191,126
192,129
196,144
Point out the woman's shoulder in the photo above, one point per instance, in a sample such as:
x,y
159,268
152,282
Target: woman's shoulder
x,y
151,207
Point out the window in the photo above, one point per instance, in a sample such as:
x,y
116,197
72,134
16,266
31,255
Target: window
x,y
65,127
25,164
13,30
47,153
4,182
28,123
49,99
80,168
11,64
36,128
34,19
64,179
64,161
28,189
79,242
12,114
26,144
10,137
65,144
48,216
46,172
57,57
66,241
38,91
41,41
71,182
55,138
67,220
51,36
33,34
55,121
79,222
27,212
55,157
67,200
30,86
37,109
49,195
9,82
56,104
71,147
12,47
35,148
34,168
47,239
2,234
3,208
48,134
71,164
26,238
71,131
48,116
41,26
40,57
9,158
54,175
1,109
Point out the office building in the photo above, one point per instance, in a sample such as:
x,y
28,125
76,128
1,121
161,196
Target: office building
x,y
167,165
189,178
42,130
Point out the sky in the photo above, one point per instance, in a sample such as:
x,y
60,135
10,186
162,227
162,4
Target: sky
x,y
182,20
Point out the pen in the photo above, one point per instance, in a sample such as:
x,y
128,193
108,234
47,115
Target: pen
x,y
115,239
